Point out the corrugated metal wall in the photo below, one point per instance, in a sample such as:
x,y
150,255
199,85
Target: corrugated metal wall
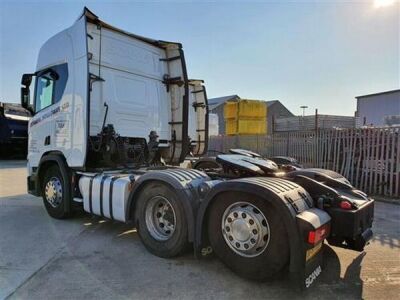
x,y
299,123
219,110
374,110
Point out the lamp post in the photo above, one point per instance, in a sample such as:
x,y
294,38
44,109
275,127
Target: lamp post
x,y
303,107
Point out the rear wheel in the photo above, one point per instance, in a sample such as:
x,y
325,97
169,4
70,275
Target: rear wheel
x,y
248,236
54,193
161,221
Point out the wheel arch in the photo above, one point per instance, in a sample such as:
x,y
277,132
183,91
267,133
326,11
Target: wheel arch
x,y
184,192
54,158
256,189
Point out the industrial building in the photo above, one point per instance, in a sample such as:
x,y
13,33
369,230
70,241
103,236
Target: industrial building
x,y
380,109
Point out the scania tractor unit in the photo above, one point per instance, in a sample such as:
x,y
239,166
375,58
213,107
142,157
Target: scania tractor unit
x,y
114,119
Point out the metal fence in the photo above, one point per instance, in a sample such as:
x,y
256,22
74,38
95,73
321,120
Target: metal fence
x,y
369,158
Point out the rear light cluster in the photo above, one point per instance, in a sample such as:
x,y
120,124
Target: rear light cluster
x,y
314,237
344,204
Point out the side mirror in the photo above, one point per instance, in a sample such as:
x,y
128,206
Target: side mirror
x,y
25,91
26,79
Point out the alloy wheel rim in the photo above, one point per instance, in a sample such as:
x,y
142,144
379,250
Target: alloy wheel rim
x,y
53,192
245,229
160,218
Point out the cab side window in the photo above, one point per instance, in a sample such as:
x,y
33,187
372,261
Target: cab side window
x,y
50,86
44,92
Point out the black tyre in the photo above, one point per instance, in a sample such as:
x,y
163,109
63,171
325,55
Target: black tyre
x,y
55,193
160,220
248,235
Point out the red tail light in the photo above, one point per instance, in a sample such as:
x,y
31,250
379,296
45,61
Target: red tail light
x,y
345,205
314,237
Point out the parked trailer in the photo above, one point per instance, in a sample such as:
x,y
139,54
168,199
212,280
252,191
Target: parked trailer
x,y
114,114
13,129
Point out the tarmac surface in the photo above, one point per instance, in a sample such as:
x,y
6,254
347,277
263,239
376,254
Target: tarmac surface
x,y
87,257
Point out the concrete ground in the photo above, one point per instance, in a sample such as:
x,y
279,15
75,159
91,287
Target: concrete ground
x,y
87,257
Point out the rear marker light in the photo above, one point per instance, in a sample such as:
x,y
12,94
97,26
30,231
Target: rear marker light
x,y
345,205
318,235
311,237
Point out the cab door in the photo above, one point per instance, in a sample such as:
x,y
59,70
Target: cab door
x,y
42,124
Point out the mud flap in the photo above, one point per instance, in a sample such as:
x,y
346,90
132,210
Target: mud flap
x,y
310,254
313,267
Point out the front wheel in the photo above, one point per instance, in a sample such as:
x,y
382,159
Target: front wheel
x,y
55,193
248,236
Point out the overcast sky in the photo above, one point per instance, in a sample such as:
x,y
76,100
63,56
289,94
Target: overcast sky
x,y
316,53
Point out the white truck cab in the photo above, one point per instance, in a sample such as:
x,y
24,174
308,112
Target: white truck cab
x,y
96,84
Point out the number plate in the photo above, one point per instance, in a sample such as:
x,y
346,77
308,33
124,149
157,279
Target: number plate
x,y
311,252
